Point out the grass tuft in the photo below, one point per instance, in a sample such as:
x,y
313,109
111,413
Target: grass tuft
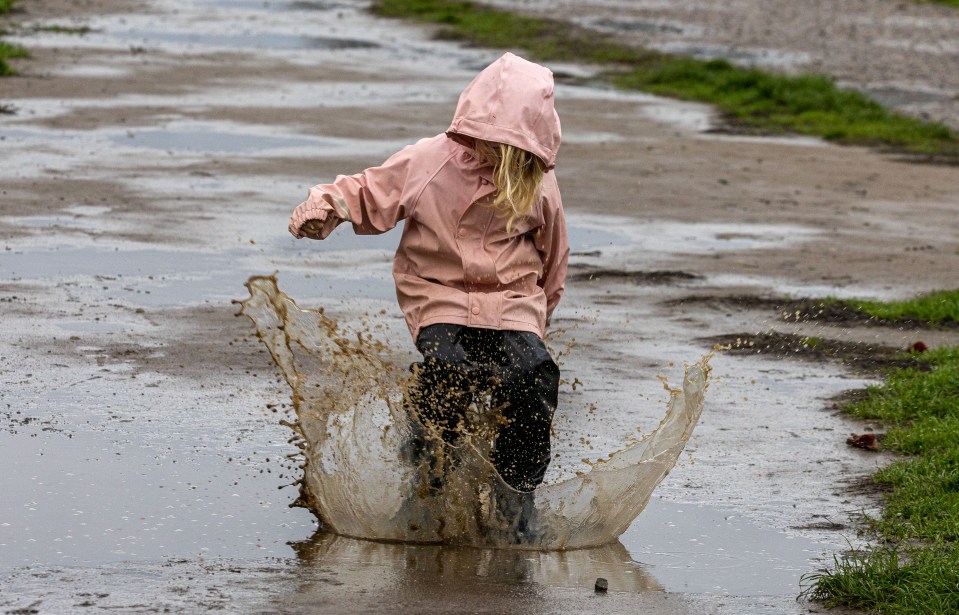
x,y
805,104
915,570
749,98
936,307
58,29
8,52
922,582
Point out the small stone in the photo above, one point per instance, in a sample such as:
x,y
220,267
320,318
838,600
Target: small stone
x,y
601,585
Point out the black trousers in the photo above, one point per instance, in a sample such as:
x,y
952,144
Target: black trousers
x,y
513,370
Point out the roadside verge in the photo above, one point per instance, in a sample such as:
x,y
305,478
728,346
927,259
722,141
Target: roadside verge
x,y
750,100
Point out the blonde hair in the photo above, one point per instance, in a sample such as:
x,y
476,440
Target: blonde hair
x,y
518,176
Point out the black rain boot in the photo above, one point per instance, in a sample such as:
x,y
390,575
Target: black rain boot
x,y
515,514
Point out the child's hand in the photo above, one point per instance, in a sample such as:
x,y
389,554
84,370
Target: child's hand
x,y
312,229
308,220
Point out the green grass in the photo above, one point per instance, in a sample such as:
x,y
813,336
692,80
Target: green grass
x,y
924,582
936,307
57,29
915,569
953,3
541,38
806,104
912,394
750,98
7,52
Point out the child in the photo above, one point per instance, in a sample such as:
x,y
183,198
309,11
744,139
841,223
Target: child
x,y
482,260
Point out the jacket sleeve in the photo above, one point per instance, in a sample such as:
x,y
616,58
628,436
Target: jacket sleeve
x,y
374,201
552,242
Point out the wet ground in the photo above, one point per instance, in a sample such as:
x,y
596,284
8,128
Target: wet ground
x,y
903,54
149,170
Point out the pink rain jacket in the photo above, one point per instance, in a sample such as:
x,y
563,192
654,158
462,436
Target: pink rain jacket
x,y
456,263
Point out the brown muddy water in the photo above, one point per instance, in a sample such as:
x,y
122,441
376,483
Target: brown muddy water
x,y
148,173
354,430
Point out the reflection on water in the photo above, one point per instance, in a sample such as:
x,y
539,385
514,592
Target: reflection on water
x,y
244,40
358,477
406,578
213,141
400,568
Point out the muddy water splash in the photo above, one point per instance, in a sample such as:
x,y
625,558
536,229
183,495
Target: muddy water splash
x,y
354,432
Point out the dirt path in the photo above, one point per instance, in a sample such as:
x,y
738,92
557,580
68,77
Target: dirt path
x,y
149,170
904,54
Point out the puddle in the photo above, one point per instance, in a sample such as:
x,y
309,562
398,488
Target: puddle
x,y
791,140
77,261
703,550
344,265
278,41
458,566
88,500
60,222
892,96
72,262
87,326
772,58
209,141
160,479
341,266
174,505
79,70
193,138
147,278
592,137
281,5
641,26
88,210
669,238
791,288
19,135
689,116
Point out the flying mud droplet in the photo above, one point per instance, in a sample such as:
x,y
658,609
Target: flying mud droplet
x,y
360,480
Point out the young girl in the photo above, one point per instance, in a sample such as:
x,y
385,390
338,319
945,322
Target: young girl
x,y
482,260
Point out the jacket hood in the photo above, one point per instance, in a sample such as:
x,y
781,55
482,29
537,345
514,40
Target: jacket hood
x,y
511,101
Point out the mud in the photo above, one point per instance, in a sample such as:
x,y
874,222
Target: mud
x,y
809,311
145,464
598,275
859,357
